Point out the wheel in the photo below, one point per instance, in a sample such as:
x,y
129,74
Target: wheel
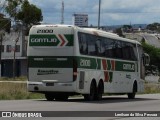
x,y
49,97
92,95
100,91
132,95
61,97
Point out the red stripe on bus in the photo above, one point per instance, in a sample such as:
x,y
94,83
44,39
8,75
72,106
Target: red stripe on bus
x,y
113,64
106,76
63,41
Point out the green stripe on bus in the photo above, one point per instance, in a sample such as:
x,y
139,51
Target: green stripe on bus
x,y
109,65
95,63
81,62
70,39
125,66
88,63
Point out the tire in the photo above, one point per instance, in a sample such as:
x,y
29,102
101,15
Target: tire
x,y
92,95
100,91
132,95
61,97
49,97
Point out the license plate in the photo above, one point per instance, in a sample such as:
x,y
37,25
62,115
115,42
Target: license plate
x,y
49,84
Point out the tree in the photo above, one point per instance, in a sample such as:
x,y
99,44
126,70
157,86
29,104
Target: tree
x,y
153,52
5,23
12,7
154,27
22,10
127,28
2,5
29,14
119,32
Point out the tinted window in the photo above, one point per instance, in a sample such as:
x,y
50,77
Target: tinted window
x,y
105,47
83,45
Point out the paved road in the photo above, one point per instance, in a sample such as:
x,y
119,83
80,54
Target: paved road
x,y
152,40
148,102
149,38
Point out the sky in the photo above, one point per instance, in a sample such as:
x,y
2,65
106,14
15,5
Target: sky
x,y
113,12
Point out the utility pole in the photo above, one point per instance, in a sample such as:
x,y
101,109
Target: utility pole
x,y
14,60
1,39
14,55
62,13
99,12
0,46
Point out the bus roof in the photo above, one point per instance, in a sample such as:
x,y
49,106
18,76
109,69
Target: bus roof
x,y
90,31
107,34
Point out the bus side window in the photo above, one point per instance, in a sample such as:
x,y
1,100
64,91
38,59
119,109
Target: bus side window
x,y
91,45
108,46
97,47
133,52
83,46
118,49
126,51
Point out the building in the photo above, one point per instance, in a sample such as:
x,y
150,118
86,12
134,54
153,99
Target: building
x,y
13,52
80,20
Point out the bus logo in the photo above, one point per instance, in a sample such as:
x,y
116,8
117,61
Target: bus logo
x,y
128,67
48,40
47,72
44,40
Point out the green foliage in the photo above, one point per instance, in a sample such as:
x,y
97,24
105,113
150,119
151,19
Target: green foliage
x,y
11,8
127,26
29,14
124,28
119,32
5,23
154,27
22,10
153,52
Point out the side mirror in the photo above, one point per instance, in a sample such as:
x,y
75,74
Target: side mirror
x,y
146,59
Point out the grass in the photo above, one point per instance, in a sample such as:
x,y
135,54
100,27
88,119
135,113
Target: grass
x,y
152,88
16,91
22,78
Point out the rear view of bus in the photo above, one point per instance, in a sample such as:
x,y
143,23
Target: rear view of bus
x,y
50,61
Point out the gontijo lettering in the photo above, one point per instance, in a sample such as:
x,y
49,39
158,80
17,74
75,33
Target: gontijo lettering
x,y
43,40
128,67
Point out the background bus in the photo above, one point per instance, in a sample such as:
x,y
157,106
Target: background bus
x,y
65,60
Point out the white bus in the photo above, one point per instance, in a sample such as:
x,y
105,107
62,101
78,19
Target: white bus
x,y
65,60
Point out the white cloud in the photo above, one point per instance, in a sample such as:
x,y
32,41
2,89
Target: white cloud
x,y
112,11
